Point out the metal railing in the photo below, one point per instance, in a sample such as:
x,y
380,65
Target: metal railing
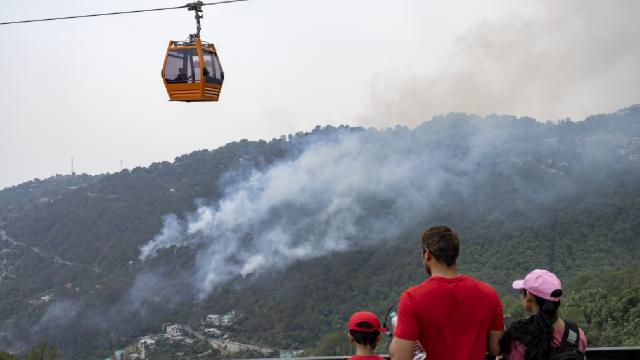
x,y
602,353
611,353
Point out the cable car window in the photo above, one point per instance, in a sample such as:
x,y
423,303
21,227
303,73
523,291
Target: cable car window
x,y
212,69
195,65
183,66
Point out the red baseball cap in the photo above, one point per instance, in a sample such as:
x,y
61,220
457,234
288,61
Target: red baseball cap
x,y
364,321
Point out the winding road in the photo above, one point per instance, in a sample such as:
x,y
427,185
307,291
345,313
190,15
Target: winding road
x,y
55,258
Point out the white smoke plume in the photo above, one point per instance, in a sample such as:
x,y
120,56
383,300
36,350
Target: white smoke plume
x,y
58,314
321,202
550,60
349,190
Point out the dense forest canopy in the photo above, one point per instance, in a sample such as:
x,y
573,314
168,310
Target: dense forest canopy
x,y
297,233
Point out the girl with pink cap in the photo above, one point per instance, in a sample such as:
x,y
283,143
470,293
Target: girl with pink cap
x,y
543,335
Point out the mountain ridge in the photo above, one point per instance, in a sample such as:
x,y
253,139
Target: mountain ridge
x,y
517,190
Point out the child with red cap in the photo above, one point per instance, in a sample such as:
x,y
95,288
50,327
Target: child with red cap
x,y
364,332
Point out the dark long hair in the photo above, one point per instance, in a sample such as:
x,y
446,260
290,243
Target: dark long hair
x,y
535,332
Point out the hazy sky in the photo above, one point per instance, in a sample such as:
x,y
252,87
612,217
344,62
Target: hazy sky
x,y
91,88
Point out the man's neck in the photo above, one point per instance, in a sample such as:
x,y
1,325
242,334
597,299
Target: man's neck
x,y
444,271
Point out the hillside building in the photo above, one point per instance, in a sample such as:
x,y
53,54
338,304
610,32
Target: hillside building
x,y
221,320
174,331
213,332
146,344
290,354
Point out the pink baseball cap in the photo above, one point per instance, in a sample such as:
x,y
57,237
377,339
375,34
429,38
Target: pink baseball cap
x,y
542,283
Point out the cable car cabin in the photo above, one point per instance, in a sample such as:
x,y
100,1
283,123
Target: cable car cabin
x,y
192,71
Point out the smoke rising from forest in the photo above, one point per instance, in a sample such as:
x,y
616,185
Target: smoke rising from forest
x,y
357,189
550,60
344,189
309,206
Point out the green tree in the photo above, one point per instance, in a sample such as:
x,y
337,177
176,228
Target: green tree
x,y
334,343
607,306
42,352
8,356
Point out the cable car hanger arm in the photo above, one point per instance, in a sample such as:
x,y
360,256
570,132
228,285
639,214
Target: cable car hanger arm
x,y
197,4
197,7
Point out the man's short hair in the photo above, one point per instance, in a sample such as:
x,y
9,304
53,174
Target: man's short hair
x,y
443,243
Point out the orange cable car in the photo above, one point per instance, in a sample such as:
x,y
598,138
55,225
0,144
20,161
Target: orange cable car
x,y
192,70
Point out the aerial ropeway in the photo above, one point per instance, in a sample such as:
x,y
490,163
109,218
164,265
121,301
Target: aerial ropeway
x,y
192,70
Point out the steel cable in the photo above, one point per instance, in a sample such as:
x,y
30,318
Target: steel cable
x,y
115,13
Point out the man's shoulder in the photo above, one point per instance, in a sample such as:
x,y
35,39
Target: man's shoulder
x,y
413,290
482,286
438,284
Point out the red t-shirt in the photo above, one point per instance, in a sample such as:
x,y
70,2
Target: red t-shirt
x,y
366,357
451,317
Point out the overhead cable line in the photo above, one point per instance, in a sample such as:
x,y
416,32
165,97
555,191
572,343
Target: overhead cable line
x,y
120,12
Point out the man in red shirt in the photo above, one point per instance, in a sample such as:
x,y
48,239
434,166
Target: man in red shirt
x,y
453,316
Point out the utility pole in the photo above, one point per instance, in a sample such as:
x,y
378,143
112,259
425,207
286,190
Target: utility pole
x,y
120,164
73,173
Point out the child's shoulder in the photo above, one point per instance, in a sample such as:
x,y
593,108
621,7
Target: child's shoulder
x,y
366,357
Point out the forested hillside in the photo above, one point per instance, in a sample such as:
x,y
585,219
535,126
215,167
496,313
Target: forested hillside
x,y
296,233
608,305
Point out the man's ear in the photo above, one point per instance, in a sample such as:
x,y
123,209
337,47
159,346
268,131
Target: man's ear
x,y
426,255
